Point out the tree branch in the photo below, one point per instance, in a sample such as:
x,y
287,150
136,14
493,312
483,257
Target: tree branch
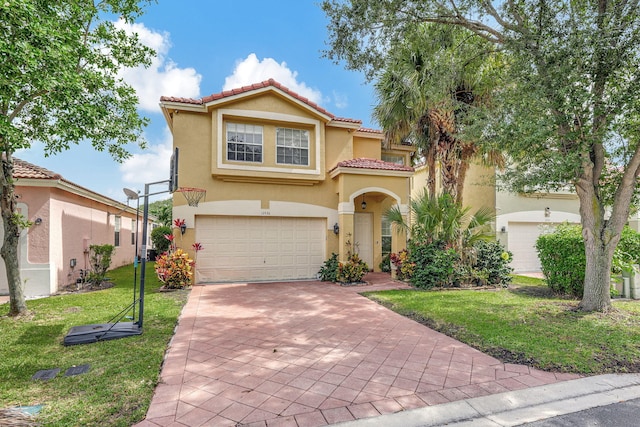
x,y
495,15
486,32
23,103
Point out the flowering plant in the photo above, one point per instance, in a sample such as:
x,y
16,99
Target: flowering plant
x,y
179,222
404,265
352,271
175,269
172,245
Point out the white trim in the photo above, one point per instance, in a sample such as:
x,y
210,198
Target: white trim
x,y
72,188
254,208
182,106
536,217
253,92
346,208
361,191
265,115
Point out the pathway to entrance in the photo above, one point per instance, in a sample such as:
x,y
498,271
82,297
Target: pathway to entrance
x,y
313,354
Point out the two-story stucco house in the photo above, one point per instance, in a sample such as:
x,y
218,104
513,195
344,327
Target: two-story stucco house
x,y
287,184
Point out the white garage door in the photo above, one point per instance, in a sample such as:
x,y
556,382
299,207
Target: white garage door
x,y
522,243
252,249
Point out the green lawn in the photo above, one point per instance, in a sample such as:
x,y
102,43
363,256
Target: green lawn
x,y
525,324
118,388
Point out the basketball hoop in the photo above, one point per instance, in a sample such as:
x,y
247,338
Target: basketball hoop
x,y
193,195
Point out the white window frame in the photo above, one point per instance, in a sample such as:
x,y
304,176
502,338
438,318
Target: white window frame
x,y
397,159
250,135
117,227
316,170
386,227
295,140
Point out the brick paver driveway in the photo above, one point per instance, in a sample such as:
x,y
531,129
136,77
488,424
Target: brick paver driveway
x,y
312,354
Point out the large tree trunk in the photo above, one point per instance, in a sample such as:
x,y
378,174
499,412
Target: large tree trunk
x,y
600,241
9,250
597,279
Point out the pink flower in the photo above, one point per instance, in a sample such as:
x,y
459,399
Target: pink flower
x,y
169,237
179,222
197,247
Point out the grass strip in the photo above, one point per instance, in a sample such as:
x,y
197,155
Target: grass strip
x,y
117,389
526,324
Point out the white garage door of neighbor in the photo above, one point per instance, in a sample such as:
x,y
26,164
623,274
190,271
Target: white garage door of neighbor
x,y
250,249
522,244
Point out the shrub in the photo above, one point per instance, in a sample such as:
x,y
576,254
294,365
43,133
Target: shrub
x,y
385,264
174,269
100,259
492,263
351,271
563,259
404,265
628,251
329,271
160,243
434,265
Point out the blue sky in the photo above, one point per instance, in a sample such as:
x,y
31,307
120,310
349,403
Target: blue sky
x,y
205,46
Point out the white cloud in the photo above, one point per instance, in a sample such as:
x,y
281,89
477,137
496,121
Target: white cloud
x,y
163,77
152,165
252,70
340,100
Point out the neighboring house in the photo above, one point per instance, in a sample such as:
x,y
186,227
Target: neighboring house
x,y
287,183
520,218
67,219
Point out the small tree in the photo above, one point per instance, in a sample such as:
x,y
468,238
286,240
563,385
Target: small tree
x,y
100,259
60,85
161,243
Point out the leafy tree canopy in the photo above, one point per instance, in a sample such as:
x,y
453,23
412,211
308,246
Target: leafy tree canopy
x,y
60,85
569,106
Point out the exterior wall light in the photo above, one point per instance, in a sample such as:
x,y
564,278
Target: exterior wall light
x,y
336,228
183,228
363,204
547,212
38,221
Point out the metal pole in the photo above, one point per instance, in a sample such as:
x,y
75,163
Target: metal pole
x,y
135,259
145,220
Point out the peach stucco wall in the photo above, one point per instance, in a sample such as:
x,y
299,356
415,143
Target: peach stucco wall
x,y
64,225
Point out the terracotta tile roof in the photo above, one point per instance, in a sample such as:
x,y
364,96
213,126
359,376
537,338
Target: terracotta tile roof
x,y
369,130
256,86
365,163
22,169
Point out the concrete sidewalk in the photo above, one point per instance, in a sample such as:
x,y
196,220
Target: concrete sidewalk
x,y
518,407
307,354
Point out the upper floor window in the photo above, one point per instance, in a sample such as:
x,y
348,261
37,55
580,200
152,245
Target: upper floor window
x,y
244,143
292,146
393,158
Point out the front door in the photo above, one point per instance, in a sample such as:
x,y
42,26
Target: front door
x,y
363,239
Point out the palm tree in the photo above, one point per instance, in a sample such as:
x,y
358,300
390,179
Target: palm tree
x,y
442,219
427,94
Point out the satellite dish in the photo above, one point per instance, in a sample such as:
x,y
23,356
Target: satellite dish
x,y
132,195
